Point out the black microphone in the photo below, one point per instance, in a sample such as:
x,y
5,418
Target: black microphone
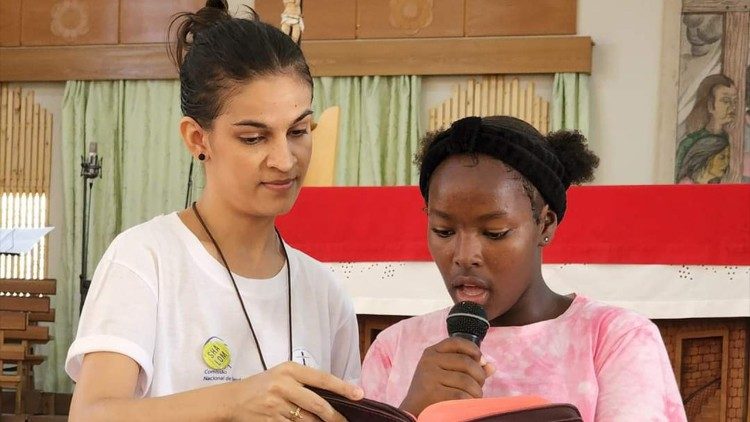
x,y
468,320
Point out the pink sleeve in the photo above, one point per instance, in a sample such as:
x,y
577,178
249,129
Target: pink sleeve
x,y
635,379
376,369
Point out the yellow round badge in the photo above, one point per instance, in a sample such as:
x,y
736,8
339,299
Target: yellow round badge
x,y
216,353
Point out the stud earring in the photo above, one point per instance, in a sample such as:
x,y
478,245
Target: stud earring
x,y
201,156
546,239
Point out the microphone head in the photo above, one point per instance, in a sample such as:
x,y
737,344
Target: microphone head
x,y
467,318
92,148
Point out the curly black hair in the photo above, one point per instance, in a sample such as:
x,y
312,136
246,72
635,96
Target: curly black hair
x,y
548,165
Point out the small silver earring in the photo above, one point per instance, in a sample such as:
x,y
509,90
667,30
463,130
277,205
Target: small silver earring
x,y
546,239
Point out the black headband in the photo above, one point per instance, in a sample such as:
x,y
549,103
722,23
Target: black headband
x,y
524,151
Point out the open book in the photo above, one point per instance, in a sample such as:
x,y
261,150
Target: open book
x,y
497,409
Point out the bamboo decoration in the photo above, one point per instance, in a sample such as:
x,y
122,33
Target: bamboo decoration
x,y
493,95
25,160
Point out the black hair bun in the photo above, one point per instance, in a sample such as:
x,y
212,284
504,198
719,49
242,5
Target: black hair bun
x,y
572,150
218,4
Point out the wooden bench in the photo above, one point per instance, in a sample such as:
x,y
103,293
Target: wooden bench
x,y
23,305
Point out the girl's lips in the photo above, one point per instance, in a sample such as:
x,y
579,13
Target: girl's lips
x,y
279,185
471,293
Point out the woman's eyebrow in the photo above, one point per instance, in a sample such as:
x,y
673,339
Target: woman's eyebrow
x,y
261,125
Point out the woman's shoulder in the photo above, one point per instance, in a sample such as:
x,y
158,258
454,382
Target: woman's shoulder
x,y
613,327
150,238
613,318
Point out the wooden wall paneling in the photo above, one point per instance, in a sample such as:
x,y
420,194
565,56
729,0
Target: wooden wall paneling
x,y
25,161
506,97
409,18
499,95
492,97
36,145
30,304
484,98
145,21
47,167
270,12
735,63
529,102
324,19
18,115
104,62
4,138
715,6
448,56
455,103
10,23
71,22
520,17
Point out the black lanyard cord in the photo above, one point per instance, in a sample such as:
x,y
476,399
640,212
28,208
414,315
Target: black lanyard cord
x,y
237,290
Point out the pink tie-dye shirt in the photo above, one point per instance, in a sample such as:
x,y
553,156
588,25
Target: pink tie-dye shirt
x,y
609,362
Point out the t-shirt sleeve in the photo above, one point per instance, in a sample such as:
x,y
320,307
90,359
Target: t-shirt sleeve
x,y
376,369
119,316
635,378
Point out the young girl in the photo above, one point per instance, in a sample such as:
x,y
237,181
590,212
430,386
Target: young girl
x,y
189,301
495,190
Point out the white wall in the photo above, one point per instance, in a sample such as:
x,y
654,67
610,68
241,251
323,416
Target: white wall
x,y
627,86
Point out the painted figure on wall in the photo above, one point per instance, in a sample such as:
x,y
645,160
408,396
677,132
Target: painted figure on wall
x,y
711,143
707,161
714,111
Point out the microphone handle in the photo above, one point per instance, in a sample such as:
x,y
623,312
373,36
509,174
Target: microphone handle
x,y
471,337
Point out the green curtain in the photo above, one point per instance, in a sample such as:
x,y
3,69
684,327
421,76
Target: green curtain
x,y
379,127
144,174
570,102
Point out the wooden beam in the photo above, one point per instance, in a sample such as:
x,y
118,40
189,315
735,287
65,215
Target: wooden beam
x,y
449,56
35,287
13,320
48,316
735,61
520,17
715,6
34,333
25,304
96,62
444,56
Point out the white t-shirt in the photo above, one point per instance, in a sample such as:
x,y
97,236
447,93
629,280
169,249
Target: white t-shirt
x,y
158,297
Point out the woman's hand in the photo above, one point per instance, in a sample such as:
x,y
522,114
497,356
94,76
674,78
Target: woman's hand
x,y
452,369
107,385
275,395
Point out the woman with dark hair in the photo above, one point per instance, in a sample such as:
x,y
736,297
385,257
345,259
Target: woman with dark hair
x,y
706,161
206,314
495,191
714,110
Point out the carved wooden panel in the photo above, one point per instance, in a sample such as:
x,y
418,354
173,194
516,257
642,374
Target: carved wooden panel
x,y
69,22
520,17
324,19
143,21
410,18
10,23
491,96
735,65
